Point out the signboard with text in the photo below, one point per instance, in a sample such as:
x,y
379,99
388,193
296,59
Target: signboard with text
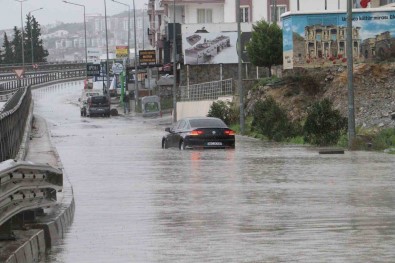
x,y
121,51
92,70
147,56
319,39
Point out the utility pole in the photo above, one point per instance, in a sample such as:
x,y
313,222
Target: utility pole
x,y
351,114
239,82
174,65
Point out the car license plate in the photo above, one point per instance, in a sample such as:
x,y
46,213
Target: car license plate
x,y
214,143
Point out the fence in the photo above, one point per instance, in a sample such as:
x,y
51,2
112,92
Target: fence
x,y
12,122
206,91
41,78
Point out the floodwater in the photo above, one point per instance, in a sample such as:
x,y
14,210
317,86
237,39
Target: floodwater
x,y
136,202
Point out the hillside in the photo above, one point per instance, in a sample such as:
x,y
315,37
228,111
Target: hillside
x,y
374,92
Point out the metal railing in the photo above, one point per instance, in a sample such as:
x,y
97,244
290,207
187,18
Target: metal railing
x,y
44,66
206,91
41,78
12,122
26,186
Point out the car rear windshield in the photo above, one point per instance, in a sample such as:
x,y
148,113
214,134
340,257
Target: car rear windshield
x,y
207,123
99,99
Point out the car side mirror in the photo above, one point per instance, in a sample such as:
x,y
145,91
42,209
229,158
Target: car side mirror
x,y
167,129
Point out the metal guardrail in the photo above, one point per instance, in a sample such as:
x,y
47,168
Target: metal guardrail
x,y
13,121
26,186
44,66
41,78
206,91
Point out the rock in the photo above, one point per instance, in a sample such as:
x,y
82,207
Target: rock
x,y
381,124
393,115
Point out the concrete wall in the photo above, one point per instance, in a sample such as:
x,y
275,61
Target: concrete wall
x,y
196,108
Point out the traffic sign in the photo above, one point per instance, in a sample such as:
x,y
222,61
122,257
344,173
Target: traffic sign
x,y
92,70
19,72
117,68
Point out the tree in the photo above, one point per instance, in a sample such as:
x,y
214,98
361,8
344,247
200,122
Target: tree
x,y
8,55
33,32
17,46
265,48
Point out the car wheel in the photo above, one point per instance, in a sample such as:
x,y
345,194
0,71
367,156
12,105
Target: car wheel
x,y
182,146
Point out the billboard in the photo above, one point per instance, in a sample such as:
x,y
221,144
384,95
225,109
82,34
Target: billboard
x,y
210,48
317,39
147,56
121,51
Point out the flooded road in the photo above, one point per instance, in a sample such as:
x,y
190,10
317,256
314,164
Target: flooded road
x,y
136,202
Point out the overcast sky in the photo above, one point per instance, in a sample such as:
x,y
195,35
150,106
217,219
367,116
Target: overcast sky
x,y
56,10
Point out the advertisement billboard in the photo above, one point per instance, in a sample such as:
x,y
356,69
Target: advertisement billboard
x,y
210,48
121,51
317,39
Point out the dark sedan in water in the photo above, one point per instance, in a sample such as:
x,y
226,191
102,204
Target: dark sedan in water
x,y
199,133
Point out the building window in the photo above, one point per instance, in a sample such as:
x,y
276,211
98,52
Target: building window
x,y
244,14
204,16
280,10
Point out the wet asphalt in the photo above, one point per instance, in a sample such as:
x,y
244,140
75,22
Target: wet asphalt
x,y
261,202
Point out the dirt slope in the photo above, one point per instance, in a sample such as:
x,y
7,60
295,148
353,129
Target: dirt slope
x,y
374,92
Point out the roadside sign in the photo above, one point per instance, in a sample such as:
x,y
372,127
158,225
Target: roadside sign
x,y
92,70
147,56
19,72
121,51
117,68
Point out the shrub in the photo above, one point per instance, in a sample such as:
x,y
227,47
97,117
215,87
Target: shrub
x,y
223,110
271,120
384,139
323,125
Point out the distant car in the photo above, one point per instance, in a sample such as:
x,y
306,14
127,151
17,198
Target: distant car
x,y
84,96
199,133
98,105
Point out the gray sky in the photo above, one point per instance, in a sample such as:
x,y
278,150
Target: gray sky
x,y
56,10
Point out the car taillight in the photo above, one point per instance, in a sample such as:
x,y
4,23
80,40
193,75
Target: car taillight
x,y
196,132
229,132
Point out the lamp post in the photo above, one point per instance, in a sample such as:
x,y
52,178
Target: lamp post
x,y
22,34
136,83
107,68
86,49
174,64
128,23
31,32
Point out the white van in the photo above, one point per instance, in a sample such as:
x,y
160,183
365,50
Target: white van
x,y
86,93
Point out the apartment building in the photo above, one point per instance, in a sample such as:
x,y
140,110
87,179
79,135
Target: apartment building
x,y
194,15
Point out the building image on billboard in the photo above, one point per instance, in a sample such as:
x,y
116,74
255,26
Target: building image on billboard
x,y
210,48
314,39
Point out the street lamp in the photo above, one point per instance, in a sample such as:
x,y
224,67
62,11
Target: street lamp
x,y
86,49
22,33
128,24
136,83
107,68
31,32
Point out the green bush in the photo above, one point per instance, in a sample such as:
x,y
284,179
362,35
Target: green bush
x,y
323,125
384,139
223,110
270,120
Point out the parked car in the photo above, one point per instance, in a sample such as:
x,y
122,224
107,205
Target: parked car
x,y
98,105
199,133
84,96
